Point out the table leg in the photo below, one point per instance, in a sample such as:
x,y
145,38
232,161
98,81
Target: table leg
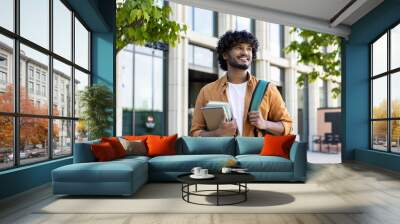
x,y
217,194
196,188
245,192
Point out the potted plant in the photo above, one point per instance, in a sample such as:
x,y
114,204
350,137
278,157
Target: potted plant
x,y
96,102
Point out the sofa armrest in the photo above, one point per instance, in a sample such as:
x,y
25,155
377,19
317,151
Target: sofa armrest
x,y
83,152
298,155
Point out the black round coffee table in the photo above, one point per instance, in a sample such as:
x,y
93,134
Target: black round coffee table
x,y
238,179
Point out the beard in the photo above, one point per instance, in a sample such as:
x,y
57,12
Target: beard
x,y
237,65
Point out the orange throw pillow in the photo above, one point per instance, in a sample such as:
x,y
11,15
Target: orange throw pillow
x,y
161,145
116,145
103,152
135,138
277,145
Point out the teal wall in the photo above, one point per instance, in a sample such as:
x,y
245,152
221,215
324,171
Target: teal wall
x,y
99,16
355,85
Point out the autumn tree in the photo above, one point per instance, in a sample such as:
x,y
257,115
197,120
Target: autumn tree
x,y
33,130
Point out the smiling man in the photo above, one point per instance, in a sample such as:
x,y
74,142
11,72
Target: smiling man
x,y
236,50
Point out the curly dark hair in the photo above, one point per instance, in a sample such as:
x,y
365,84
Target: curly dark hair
x,y
231,39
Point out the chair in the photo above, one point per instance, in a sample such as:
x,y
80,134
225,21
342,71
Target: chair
x,y
316,139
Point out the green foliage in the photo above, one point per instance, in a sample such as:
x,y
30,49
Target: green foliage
x,y
97,103
140,22
312,51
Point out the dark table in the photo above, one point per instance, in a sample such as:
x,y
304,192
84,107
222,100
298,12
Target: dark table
x,y
239,179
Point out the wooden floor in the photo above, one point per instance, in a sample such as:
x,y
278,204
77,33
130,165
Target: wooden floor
x,y
377,188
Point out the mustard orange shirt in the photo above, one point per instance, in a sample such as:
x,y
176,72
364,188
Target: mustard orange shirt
x,y
272,107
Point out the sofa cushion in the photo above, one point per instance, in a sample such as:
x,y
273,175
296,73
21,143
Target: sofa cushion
x,y
116,145
103,152
249,145
135,147
277,145
185,163
257,163
206,145
161,145
112,171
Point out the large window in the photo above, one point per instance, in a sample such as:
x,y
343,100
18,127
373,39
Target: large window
x,y
141,91
201,57
201,21
277,77
243,23
385,97
37,66
276,39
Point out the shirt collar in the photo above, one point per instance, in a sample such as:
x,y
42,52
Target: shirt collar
x,y
251,81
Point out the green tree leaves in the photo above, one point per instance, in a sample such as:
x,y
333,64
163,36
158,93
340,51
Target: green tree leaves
x,y
140,22
321,50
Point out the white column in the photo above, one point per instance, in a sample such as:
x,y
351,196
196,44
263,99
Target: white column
x,y
291,96
313,104
119,108
178,82
262,67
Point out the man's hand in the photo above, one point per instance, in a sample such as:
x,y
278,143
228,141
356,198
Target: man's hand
x,y
256,120
227,128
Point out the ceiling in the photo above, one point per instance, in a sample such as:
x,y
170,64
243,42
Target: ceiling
x,y
327,16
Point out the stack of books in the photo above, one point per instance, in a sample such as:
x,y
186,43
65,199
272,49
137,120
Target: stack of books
x,y
215,112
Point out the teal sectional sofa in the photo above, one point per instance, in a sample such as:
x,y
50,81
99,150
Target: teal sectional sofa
x,y
125,176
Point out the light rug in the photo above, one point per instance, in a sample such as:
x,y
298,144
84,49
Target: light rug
x,y
166,198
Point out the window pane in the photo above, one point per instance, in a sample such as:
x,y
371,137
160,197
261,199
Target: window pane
x,y
33,139
395,138
395,47
7,14
62,29
81,131
275,39
35,21
395,95
81,81
379,55
33,99
6,75
379,135
242,23
62,89
81,45
6,142
322,86
189,17
276,75
158,84
62,138
379,98
203,57
144,87
190,54
203,21
125,91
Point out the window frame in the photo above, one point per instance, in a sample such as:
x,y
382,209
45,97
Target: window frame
x,y
16,115
388,74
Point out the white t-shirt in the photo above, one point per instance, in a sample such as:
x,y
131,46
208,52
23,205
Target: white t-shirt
x,y
236,95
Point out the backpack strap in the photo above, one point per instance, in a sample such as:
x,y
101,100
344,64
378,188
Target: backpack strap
x,y
256,99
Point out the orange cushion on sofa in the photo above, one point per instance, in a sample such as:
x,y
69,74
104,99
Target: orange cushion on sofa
x,y
161,145
103,151
135,137
277,145
116,145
